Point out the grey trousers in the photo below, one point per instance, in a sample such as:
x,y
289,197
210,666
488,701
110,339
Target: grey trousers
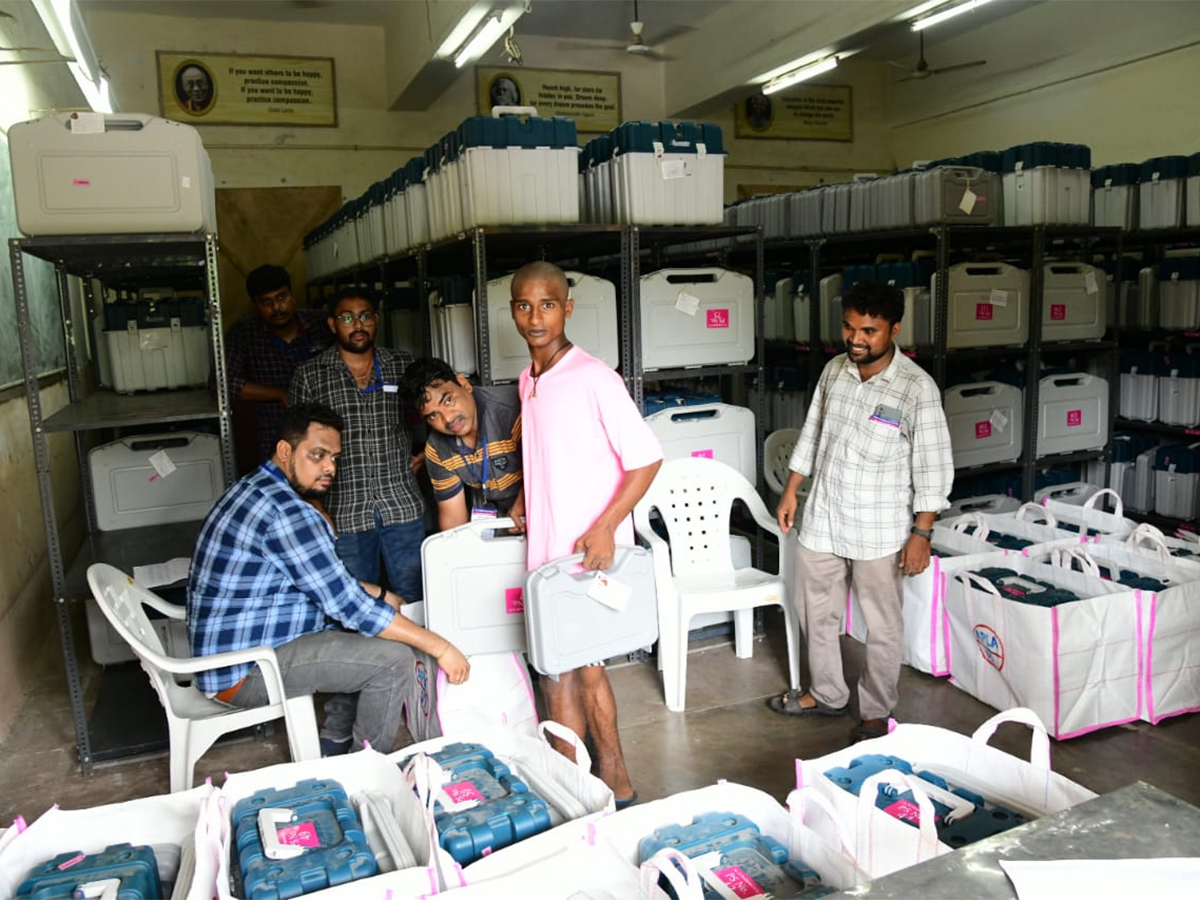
x,y
379,671
822,582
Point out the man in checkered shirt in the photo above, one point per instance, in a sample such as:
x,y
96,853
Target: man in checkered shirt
x,y
876,445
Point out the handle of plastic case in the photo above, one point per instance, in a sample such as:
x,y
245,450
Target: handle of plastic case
x,y
1065,268
498,111
1039,747
159,443
268,820
101,889
691,276
983,388
684,414
1118,505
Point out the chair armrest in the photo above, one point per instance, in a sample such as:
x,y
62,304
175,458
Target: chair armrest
x,y
159,605
264,657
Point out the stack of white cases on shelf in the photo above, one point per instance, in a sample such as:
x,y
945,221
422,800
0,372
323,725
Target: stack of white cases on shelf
x,y
1144,317
987,305
395,213
444,188
345,238
1047,184
149,346
1131,473
416,203
1115,196
956,195
898,203
806,212
1179,293
1138,389
862,204
835,209
1162,187
712,431
1177,480
696,317
1192,188
1073,415
780,307
371,228
452,325
801,306
913,281
831,309
1073,306
593,324
1179,389
668,173
518,169
126,173
1142,497
985,421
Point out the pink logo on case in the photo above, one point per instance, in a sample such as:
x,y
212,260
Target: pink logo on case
x,y
983,312
514,601
983,430
739,882
462,791
302,835
705,454
81,182
717,318
1074,417
905,810
1058,311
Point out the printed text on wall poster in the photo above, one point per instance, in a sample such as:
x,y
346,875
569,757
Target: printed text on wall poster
x,y
592,99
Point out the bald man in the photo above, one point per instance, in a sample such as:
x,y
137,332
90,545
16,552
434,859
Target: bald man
x,y
588,458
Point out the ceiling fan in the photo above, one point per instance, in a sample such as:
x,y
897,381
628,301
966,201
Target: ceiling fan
x,y
636,45
922,71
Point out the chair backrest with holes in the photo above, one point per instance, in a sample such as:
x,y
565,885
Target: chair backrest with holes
x,y
694,498
777,453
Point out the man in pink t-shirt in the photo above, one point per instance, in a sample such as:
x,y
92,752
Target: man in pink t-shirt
x,y
588,457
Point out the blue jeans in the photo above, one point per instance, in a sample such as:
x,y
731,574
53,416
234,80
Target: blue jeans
x,y
400,547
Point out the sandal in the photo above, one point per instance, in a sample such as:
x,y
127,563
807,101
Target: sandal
x,y
869,729
789,705
626,802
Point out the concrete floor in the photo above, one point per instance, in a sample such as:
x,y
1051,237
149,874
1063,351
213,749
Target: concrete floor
x,y
727,732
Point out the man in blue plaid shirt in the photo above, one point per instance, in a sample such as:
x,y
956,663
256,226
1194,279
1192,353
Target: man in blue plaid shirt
x,y
265,572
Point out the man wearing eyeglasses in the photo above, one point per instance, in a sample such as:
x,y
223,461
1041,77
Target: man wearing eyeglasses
x,y
376,504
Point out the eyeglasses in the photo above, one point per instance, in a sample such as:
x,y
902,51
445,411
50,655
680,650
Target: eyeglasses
x,y
365,317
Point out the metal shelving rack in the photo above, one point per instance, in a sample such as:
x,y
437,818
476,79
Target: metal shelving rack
x,y
948,244
120,262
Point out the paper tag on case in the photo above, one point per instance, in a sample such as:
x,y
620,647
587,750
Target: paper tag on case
x,y
999,420
87,123
162,463
1089,283
302,835
967,203
998,297
608,591
686,303
673,168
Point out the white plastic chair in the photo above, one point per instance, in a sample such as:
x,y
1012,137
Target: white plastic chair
x,y
194,721
777,453
694,574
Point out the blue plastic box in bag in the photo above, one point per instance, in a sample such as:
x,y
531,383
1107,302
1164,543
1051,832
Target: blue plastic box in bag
x,y
312,839
74,874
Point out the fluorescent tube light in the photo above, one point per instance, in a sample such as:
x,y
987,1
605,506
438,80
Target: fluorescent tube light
x,y
482,42
947,14
462,32
798,75
59,18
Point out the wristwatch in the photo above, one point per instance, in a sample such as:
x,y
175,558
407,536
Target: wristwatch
x,y
926,533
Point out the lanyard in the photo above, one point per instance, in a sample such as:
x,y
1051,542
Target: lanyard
x,y
298,348
471,472
274,472
378,385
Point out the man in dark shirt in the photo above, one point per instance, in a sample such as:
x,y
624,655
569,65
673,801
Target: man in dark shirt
x,y
473,453
263,350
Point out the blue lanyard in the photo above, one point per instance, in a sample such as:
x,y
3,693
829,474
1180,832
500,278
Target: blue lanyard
x,y
370,389
471,472
274,472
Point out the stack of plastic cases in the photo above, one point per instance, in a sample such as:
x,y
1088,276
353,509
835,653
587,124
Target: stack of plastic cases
x,y
138,174
1179,293
835,209
1177,480
668,173
1073,414
862,205
416,204
345,237
987,820
1144,481
518,170
779,294
372,244
657,401
801,306
1115,196
956,195
896,208
1074,303
985,421
452,323
831,308
1047,183
444,187
322,822
1192,188
1127,451
1138,390
806,212
716,431
1122,299
395,213
1179,389
74,874
753,864
693,317
1161,187
505,810
153,345
913,279
987,305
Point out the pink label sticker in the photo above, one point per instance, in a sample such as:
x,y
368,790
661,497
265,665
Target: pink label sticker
x,y
81,182
983,430
905,811
983,312
738,881
1191,431
462,791
1058,311
514,601
73,861
704,454
302,835
717,318
1074,417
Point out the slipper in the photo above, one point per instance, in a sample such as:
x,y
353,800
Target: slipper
x,y
868,729
626,802
789,705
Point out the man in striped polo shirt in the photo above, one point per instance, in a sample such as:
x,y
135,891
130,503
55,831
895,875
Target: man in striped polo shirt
x,y
473,452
